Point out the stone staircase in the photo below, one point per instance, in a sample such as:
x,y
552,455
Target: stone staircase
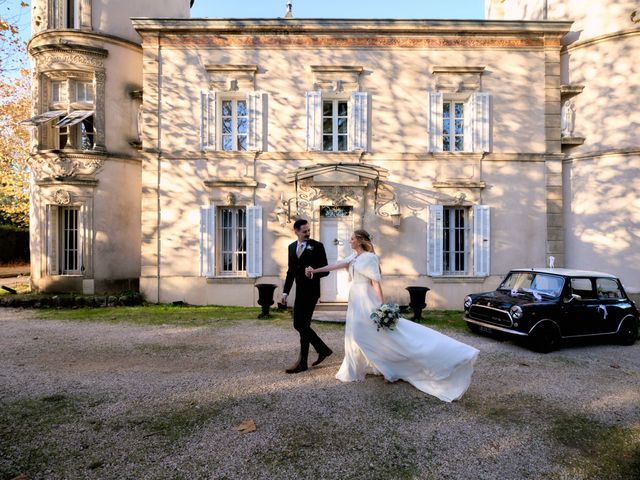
x,y
330,312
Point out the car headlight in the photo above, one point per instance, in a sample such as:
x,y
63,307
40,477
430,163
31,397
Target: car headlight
x,y
467,302
516,312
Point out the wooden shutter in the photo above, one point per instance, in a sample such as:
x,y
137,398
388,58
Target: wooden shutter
x,y
469,124
53,254
255,108
314,121
435,121
254,241
435,240
481,240
481,121
208,120
207,240
359,121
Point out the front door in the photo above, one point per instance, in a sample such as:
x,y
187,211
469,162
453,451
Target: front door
x,y
336,226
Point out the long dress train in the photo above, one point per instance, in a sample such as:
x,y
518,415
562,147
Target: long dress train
x,y
430,361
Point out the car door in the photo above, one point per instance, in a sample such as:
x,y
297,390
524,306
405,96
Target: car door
x,y
612,305
581,313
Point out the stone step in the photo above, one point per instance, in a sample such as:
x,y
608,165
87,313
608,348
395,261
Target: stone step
x,y
331,316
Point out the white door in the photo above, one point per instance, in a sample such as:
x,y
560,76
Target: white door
x,y
335,232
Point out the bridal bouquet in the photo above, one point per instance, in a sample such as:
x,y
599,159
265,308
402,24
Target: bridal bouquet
x,y
386,316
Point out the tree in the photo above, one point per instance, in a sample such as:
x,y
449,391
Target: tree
x,y
15,106
15,99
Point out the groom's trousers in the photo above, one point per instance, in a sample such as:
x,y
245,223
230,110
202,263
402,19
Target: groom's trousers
x,y
302,313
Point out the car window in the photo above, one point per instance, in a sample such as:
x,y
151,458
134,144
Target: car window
x,y
547,284
583,287
607,288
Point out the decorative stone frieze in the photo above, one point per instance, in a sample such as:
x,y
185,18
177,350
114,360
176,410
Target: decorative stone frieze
x,y
336,78
227,77
455,79
66,165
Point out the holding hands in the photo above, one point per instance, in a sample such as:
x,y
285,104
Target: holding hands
x,y
309,271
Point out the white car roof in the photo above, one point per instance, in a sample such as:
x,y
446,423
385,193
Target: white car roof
x,y
569,272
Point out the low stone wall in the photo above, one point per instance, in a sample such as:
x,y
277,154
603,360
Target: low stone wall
x,y
70,301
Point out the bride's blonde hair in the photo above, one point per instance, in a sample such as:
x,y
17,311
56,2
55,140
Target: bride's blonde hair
x,y
364,239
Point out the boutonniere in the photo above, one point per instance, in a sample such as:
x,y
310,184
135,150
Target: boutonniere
x,y
309,247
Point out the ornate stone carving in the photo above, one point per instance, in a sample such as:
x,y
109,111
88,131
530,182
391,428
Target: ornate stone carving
x,y
65,166
635,16
62,197
45,59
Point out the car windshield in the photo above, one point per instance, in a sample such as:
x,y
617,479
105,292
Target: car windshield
x,y
533,282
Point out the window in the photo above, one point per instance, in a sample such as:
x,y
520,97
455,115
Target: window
x,y
608,288
459,122
232,124
84,92
582,287
235,124
337,125
233,241
335,135
65,240
458,240
230,241
65,13
455,248
57,91
453,126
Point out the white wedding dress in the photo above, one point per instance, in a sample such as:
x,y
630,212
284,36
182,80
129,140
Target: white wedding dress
x,y
428,360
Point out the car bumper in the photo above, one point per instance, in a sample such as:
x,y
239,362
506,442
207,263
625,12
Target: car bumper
x,y
495,327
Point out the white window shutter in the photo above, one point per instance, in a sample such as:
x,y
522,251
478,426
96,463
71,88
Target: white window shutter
x,y
52,240
254,241
81,237
481,240
314,121
208,120
207,240
435,121
359,121
256,111
435,238
469,124
481,121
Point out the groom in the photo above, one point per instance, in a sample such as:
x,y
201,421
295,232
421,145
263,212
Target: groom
x,y
303,253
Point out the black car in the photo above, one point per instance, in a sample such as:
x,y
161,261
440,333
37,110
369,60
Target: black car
x,y
546,305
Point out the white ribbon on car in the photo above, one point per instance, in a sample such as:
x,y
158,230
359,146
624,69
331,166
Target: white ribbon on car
x,y
604,310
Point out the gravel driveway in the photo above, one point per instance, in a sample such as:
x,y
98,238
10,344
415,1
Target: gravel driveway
x,y
96,400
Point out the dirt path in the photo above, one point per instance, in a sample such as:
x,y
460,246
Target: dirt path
x,y
94,400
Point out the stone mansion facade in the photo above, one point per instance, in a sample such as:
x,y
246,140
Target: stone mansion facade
x,y
172,154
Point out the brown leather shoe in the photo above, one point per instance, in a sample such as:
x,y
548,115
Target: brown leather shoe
x,y
321,357
297,368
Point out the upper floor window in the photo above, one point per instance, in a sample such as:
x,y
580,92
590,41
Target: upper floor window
x,y
234,118
232,122
84,92
65,13
57,91
459,122
453,126
335,119
337,124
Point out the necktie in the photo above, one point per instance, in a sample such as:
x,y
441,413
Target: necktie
x,y
300,249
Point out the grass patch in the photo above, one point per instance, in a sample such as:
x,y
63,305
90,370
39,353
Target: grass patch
x,y
21,288
152,314
597,450
446,319
28,431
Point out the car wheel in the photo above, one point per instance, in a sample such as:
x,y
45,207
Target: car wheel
x,y
628,333
473,327
545,338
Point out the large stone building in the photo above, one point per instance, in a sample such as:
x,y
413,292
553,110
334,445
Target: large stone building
x,y
173,153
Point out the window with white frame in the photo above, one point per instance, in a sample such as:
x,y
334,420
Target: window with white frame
x,y
232,123
65,13
233,240
230,241
234,119
459,122
335,119
65,240
458,240
454,240
453,126
57,91
337,124
84,92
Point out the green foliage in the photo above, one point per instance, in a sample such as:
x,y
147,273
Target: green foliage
x,y
15,244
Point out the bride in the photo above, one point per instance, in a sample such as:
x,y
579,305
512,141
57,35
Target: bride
x,y
427,359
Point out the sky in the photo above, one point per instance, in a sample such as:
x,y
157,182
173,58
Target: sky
x,y
461,9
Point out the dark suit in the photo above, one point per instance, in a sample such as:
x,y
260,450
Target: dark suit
x,y
307,294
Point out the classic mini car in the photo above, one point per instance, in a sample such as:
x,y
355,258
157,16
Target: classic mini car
x,y
545,305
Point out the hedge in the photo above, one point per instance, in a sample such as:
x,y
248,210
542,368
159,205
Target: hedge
x,y
14,244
